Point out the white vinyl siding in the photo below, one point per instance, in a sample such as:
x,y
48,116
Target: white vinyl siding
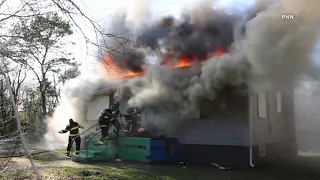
x,y
227,126
279,102
260,133
228,132
273,128
262,103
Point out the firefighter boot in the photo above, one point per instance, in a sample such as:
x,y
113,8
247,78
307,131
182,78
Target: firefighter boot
x,y
126,133
100,143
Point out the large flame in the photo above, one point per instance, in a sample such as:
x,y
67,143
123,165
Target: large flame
x,y
182,62
110,70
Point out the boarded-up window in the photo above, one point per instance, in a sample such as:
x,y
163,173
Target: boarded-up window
x,y
279,102
262,104
95,107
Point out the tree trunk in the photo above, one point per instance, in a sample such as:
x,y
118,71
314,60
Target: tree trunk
x,y
23,143
2,114
56,90
43,103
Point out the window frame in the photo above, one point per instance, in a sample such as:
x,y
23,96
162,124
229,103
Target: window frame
x,y
262,105
279,102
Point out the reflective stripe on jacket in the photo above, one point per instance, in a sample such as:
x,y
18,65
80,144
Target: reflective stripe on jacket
x,y
73,129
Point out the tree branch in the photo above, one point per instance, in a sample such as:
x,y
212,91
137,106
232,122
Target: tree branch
x,y
22,140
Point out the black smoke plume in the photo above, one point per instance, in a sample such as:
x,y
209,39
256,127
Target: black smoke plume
x,y
196,34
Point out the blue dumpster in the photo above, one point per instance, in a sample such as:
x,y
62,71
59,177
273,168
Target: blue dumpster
x,y
164,150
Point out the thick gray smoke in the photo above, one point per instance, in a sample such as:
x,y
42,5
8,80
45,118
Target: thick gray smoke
x,y
307,115
75,96
199,32
273,53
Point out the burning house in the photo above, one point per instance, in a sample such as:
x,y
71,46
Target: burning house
x,y
225,91
239,128
210,106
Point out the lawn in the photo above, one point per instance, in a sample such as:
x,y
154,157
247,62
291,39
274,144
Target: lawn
x,y
300,168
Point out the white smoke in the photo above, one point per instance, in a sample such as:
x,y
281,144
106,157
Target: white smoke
x,y
280,51
75,95
272,55
138,10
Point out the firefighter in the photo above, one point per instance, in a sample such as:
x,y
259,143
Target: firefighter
x,y
108,118
132,116
104,120
115,108
114,120
73,127
115,115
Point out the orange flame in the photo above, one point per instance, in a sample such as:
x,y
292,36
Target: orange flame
x,y
111,70
183,62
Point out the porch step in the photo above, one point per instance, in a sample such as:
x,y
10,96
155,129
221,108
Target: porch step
x,y
96,153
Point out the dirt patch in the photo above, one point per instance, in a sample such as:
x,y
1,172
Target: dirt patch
x,y
89,173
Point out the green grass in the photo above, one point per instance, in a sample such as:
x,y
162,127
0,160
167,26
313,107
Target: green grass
x,y
48,157
17,175
301,168
60,150
96,173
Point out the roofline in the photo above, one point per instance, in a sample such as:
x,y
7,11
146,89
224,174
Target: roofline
x,y
105,92
109,91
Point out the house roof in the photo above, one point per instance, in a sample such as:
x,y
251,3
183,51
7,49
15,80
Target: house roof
x,y
101,92
182,72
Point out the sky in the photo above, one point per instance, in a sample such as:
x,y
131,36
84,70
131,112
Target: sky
x,y
102,10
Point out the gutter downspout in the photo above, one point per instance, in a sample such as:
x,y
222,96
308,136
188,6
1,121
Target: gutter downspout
x,y
251,134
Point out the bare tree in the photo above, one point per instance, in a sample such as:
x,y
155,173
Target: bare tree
x,y
35,9
16,115
120,45
16,76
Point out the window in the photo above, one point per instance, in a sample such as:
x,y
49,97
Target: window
x,y
279,102
262,104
